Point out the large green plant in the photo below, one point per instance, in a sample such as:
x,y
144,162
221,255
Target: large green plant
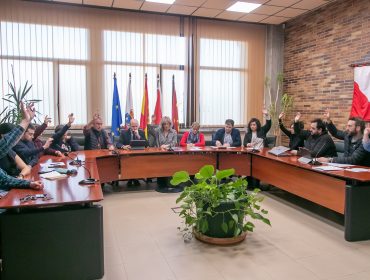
x,y
208,191
13,113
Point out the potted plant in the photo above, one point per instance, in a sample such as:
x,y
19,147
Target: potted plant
x,y
216,208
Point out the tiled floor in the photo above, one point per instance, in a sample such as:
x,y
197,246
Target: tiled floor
x,y
142,242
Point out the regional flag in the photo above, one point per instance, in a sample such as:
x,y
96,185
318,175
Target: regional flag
x,y
144,119
175,114
361,93
158,110
129,111
116,110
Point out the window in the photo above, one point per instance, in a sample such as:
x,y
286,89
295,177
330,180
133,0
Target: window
x,y
140,53
222,81
36,50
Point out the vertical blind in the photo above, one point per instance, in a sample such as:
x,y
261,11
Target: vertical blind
x,y
70,54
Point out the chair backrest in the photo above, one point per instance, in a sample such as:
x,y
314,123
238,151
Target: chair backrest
x,y
339,147
271,141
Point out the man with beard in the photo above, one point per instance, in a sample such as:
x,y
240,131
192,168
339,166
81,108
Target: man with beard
x,y
354,152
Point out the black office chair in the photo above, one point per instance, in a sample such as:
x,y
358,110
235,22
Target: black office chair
x,y
271,141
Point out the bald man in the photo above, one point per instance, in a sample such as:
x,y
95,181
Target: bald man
x,y
96,137
133,133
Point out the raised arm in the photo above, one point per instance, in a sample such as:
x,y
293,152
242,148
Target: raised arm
x,y
339,134
281,125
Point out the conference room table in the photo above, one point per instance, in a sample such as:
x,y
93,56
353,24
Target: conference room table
x,y
66,232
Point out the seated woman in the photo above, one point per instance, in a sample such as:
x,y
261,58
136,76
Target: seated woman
x,y
193,137
63,141
255,137
12,164
165,138
296,139
165,135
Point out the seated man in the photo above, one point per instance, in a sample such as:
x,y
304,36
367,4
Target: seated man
x,y
63,142
7,142
193,137
318,141
27,149
133,133
39,143
366,138
96,137
12,164
228,136
296,139
354,152
255,136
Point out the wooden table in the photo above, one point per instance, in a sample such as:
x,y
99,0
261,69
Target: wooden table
x,y
61,238
66,232
345,192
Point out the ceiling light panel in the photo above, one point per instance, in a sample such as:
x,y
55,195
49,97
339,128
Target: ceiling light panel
x,y
243,7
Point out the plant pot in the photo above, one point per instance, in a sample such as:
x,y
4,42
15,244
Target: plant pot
x,y
215,222
219,241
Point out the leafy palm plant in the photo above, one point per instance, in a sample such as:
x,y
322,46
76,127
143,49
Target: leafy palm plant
x,y
12,113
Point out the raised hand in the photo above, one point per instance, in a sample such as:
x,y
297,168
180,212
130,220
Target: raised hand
x,y
326,115
265,112
282,115
48,143
36,185
297,117
28,112
47,120
71,118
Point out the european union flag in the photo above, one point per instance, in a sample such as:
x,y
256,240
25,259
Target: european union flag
x,y
116,110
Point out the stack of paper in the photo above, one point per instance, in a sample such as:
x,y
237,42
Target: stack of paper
x,y
327,168
53,175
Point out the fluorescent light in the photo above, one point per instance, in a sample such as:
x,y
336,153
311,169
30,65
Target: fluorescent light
x,y
243,7
162,1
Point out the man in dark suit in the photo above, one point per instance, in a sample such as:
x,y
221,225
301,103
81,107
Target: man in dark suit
x,y
228,136
354,152
133,133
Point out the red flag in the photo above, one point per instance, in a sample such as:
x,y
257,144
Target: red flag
x,y
144,119
158,110
175,114
361,93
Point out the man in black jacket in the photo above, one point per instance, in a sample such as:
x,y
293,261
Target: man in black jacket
x,y
354,152
318,141
228,136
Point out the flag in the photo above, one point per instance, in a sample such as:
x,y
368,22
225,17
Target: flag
x,y
158,110
175,114
144,119
361,93
116,109
129,112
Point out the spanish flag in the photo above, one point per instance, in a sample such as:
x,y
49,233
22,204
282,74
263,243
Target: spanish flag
x,y
144,119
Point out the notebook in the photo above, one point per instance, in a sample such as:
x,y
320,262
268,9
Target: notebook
x,y
280,151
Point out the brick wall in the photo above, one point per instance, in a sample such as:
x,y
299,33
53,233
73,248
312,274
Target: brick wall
x,y
318,49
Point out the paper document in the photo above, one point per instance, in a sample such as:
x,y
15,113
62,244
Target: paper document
x,y
53,175
358,170
344,165
327,168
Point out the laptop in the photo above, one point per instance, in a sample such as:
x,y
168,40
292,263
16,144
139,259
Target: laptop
x,y
137,144
305,155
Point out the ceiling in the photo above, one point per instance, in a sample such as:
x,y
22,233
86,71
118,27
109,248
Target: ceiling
x,y
270,12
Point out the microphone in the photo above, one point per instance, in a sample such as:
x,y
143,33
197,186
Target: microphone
x,y
89,180
314,160
76,161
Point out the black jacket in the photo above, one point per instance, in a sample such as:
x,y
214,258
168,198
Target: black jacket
x,y
296,140
59,145
354,152
126,137
319,145
260,134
